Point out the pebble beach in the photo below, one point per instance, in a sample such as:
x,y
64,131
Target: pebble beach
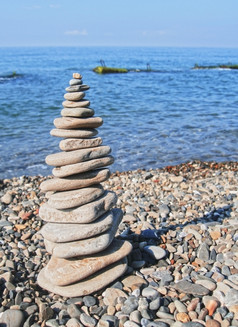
x,y
182,222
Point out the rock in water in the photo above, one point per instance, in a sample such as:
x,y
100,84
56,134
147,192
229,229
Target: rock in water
x,y
81,221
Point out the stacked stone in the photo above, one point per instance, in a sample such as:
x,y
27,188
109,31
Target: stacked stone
x,y
80,214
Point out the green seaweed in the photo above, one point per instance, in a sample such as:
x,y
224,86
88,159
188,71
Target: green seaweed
x,y
223,66
109,70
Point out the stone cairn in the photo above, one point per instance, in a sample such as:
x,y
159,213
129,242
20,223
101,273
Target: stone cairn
x,y
81,221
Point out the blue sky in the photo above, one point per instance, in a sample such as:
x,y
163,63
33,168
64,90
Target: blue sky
x,y
206,23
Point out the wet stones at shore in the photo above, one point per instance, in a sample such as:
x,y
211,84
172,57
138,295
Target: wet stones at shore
x,y
145,296
78,213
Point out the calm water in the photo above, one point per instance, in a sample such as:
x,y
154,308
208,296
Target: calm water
x,y
150,119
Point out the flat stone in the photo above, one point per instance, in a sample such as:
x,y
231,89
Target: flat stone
x,y
207,284
75,81
233,278
75,181
77,112
176,179
76,104
77,76
129,323
134,281
88,285
150,293
111,295
7,198
76,156
203,252
60,233
64,272
184,286
74,96
180,306
87,320
75,198
82,214
213,323
77,88
81,167
77,133
73,322
231,298
87,246
89,300
155,252
76,144
12,318
72,123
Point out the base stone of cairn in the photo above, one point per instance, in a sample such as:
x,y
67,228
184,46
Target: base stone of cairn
x,y
81,221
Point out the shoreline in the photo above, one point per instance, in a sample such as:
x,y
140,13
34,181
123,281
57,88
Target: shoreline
x,y
188,211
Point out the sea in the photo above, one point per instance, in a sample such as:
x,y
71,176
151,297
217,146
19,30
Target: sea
x,y
169,115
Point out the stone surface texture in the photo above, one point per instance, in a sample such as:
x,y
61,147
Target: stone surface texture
x,y
81,221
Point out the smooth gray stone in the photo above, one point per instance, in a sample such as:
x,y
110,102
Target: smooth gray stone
x,y
12,318
63,272
77,112
75,81
88,320
82,214
61,233
203,252
87,246
231,298
233,278
76,144
75,104
77,88
88,285
76,181
155,252
190,288
75,198
77,133
81,167
74,96
67,158
75,123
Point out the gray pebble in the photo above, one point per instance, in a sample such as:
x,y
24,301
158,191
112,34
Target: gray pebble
x,y
113,319
231,297
203,252
135,316
130,305
52,323
225,270
180,306
75,81
73,322
74,311
12,318
87,320
31,309
158,324
155,304
233,278
89,300
150,293
164,210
